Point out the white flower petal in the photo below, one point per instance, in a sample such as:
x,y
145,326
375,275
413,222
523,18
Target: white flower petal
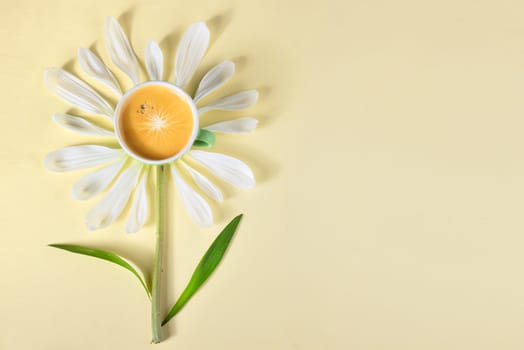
x,y
110,207
154,60
94,183
227,168
190,51
76,92
80,125
236,126
241,100
217,76
120,49
80,157
139,209
97,70
204,184
196,206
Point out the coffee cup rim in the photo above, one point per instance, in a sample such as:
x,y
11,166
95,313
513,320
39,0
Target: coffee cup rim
x,y
180,93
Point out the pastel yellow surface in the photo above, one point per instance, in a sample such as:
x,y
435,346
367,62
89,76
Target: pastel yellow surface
x,y
389,207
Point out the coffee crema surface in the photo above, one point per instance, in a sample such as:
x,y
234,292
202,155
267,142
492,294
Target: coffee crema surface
x,y
155,122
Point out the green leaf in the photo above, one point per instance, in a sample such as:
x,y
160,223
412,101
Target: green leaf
x,y
205,268
108,256
205,139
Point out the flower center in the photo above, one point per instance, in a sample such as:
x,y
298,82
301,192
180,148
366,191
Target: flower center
x,y
156,122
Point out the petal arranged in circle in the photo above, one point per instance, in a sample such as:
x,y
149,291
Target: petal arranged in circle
x,y
94,183
96,69
120,49
197,208
140,206
112,204
241,100
75,92
235,126
190,51
80,157
213,79
80,125
227,168
204,184
154,60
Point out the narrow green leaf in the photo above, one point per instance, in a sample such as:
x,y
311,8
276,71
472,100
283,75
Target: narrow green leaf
x,y
206,266
205,139
108,256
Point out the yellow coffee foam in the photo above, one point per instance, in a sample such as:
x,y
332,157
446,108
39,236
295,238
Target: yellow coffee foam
x,y
155,122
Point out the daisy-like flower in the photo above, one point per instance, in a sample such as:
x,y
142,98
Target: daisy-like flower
x,y
156,124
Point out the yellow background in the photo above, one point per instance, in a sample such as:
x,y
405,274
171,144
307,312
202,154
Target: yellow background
x,y
389,207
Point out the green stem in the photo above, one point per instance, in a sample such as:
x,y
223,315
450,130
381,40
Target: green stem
x,y
156,317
